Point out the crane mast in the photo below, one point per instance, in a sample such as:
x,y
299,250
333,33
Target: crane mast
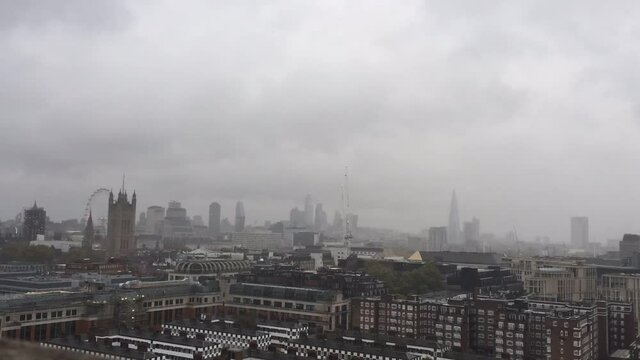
x,y
348,236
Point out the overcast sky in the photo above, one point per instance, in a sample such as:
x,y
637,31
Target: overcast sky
x,y
530,109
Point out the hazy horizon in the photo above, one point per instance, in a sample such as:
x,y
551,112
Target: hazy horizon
x,y
526,109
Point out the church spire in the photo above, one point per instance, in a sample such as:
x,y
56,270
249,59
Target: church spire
x,y
89,232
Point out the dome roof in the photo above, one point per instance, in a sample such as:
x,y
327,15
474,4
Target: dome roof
x,y
212,266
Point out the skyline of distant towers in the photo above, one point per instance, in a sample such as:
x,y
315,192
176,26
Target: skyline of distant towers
x,y
240,217
453,230
35,220
215,213
580,232
121,222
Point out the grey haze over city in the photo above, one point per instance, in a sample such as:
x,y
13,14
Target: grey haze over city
x,y
529,110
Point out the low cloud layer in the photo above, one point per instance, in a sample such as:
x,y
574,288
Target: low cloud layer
x,y
528,109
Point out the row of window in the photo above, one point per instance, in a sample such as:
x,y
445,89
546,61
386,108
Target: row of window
x,y
391,306
276,304
178,301
45,315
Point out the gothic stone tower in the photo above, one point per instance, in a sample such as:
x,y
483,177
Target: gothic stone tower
x,y
121,239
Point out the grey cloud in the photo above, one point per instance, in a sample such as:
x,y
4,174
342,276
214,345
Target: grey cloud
x,y
77,14
528,109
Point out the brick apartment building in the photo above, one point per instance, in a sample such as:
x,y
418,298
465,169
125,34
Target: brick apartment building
x,y
499,328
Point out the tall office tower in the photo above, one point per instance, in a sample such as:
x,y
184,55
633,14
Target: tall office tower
x,y
471,230
226,226
308,211
35,219
338,222
141,226
121,238
437,240
89,233
353,222
142,219
453,231
176,211
240,217
155,215
296,218
215,211
320,220
580,231
197,220
176,224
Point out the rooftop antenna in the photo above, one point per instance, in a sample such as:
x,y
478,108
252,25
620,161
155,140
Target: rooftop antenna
x,y
345,196
122,183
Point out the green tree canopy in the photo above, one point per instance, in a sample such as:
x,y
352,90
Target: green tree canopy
x,y
31,254
424,279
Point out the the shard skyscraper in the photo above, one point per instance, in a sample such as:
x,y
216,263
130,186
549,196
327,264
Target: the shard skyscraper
x,y
453,230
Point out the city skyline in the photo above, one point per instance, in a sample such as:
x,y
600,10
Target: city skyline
x,y
465,226
523,123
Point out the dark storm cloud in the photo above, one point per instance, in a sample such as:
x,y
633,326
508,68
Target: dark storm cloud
x,y
528,109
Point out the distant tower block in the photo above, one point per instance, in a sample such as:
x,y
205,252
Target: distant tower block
x,y
215,211
308,211
34,223
453,231
580,232
240,217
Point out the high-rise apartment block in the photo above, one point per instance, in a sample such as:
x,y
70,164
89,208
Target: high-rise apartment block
x,y
240,217
471,231
215,212
437,240
35,219
155,216
580,232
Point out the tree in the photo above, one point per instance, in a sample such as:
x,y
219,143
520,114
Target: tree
x,y
24,252
76,254
418,281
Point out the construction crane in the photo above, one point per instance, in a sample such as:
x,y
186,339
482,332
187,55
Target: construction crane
x,y
348,236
